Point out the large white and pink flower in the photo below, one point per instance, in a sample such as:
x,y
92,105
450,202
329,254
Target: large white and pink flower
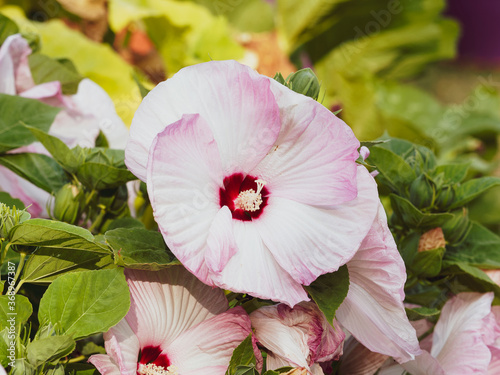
x,y
466,340
175,325
79,122
254,187
299,337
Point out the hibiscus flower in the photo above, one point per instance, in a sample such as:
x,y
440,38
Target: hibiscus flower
x,y
175,325
254,187
82,117
466,340
300,337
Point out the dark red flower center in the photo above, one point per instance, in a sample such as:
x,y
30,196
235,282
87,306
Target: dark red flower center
x,y
246,197
152,355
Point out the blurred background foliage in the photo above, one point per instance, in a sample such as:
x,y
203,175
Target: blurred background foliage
x,y
422,70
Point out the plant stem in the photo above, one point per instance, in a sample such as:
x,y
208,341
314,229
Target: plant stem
x,y
18,272
98,220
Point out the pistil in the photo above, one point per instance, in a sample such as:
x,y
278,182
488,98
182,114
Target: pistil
x,y
250,200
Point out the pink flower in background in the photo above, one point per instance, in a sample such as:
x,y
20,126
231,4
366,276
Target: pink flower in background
x,y
466,340
175,325
254,187
299,337
82,117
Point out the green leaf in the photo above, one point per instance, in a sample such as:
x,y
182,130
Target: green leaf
x,y
452,173
54,234
7,28
18,111
394,171
90,348
49,349
45,69
418,313
58,149
329,291
100,176
481,248
412,217
246,370
126,222
468,278
473,188
17,308
428,263
81,369
85,303
7,199
139,248
40,170
46,264
243,355
103,169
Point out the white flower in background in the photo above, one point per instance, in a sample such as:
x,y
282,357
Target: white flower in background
x,y
82,117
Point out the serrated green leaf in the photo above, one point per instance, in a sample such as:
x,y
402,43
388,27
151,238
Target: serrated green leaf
x,y
85,303
126,222
17,112
58,149
452,173
469,278
329,291
472,189
139,248
40,170
101,176
481,248
394,171
46,264
49,349
45,69
243,355
56,235
413,217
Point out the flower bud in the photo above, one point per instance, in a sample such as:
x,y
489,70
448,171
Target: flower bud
x,y
422,192
445,197
10,217
304,82
456,229
69,204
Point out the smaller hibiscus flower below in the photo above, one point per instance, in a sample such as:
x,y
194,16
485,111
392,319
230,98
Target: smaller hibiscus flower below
x,y
466,340
175,325
300,337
